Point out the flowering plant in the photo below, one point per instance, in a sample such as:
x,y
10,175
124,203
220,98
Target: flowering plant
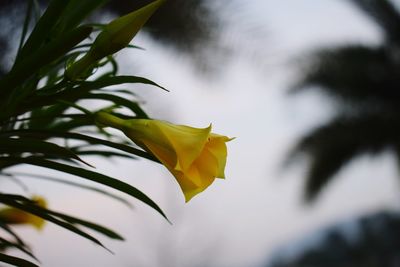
x,y
43,116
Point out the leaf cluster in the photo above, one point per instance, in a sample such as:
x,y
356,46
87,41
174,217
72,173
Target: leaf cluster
x,y
47,120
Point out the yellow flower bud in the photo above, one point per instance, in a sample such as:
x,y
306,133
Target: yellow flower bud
x,y
17,216
115,36
194,156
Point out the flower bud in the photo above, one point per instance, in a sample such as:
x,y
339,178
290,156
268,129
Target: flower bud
x,y
115,36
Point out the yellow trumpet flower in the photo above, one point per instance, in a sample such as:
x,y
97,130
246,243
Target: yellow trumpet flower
x,y
194,156
17,216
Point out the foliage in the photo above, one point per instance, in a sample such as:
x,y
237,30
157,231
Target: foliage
x,y
44,121
373,242
188,26
364,81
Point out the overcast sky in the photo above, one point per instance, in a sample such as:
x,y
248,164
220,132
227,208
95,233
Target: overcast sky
x,y
239,221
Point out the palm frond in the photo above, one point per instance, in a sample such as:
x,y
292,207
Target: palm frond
x,y
357,75
335,144
385,14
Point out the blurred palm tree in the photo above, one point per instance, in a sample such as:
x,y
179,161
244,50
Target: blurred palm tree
x,y
375,243
365,82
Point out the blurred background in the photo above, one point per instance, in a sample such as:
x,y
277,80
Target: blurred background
x,y
310,90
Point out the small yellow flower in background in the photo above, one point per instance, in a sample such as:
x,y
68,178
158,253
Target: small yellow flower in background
x,y
17,216
194,156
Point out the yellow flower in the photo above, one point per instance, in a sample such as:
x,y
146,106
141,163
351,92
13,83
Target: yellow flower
x,y
17,216
194,156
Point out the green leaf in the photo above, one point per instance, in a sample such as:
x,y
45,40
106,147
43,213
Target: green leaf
x,y
103,82
45,55
44,214
15,197
17,246
16,261
14,145
43,117
8,229
77,11
103,154
87,187
42,28
77,136
49,96
93,226
119,101
90,175
27,21
119,91
73,123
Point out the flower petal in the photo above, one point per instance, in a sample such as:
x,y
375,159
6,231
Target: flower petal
x,y
188,188
188,142
217,147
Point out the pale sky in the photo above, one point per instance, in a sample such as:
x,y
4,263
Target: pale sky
x,y
242,220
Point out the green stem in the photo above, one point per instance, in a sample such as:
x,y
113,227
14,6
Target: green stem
x,y
79,69
109,120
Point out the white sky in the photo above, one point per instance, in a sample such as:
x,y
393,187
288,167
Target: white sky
x,y
239,221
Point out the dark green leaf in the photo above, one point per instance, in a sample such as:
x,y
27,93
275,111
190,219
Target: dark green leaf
x,y
77,11
19,145
119,101
44,214
90,175
28,14
16,261
17,246
45,55
93,226
103,154
77,136
87,187
103,83
8,229
42,28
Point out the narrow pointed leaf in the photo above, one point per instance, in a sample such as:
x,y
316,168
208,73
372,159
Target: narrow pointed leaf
x,y
101,83
93,226
77,136
42,213
77,11
17,246
92,176
86,187
8,229
45,55
13,145
43,26
16,261
119,101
